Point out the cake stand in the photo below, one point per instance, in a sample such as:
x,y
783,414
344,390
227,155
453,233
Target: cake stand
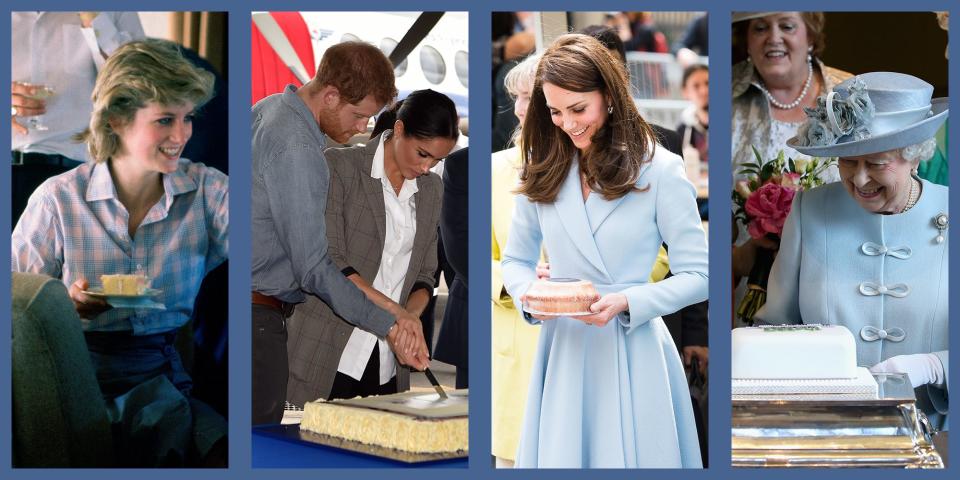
x,y
834,431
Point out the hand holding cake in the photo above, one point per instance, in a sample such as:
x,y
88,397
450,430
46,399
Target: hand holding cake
x,y
87,306
605,309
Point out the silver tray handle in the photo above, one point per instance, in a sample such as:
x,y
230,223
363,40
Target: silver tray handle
x,y
925,425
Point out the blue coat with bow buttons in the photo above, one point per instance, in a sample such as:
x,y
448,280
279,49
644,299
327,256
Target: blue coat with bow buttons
x,y
884,277
612,396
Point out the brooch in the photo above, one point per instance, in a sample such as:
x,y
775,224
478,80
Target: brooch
x,y
940,222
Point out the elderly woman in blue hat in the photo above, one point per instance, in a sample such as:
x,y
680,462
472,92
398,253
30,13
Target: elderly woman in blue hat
x,y
871,252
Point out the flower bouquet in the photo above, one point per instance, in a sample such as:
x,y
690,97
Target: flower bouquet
x,y
762,201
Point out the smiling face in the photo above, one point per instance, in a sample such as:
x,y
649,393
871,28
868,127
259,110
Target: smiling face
x,y
579,114
879,182
155,138
415,156
341,120
778,45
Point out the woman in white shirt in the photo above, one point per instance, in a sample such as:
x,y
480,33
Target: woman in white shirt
x,y
383,210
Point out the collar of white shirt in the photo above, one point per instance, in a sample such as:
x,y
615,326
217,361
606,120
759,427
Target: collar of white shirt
x,y
377,171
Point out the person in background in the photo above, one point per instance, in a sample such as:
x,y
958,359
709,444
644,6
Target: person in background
x,y
514,340
638,32
513,41
62,51
695,121
937,169
452,342
694,43
778,73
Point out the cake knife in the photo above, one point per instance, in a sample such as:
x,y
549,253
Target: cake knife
x,y
435,383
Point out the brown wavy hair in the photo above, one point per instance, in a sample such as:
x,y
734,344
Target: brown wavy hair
x,y
357,69
611,165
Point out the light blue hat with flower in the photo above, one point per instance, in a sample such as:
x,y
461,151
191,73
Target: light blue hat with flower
x,y
871,113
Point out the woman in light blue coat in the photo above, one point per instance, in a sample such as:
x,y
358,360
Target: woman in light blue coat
x,y
608,389
871,252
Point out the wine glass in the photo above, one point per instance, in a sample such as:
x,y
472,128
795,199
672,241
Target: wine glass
x,y
40,92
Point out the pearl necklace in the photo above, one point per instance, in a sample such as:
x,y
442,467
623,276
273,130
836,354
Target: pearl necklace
x,y
913,196
793,104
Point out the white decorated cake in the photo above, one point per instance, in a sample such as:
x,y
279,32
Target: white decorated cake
x,y
793,352
414,421
557,296
798,361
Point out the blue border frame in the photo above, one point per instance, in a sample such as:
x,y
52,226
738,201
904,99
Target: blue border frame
x,y
479,25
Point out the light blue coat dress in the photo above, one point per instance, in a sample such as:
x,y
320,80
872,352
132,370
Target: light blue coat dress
x,y
613,396
835,257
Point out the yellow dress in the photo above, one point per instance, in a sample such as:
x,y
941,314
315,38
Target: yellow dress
x,y
514,340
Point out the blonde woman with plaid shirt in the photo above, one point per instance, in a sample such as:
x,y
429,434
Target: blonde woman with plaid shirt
x,y
138,206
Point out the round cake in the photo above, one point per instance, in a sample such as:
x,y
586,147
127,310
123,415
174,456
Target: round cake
x,y
560,296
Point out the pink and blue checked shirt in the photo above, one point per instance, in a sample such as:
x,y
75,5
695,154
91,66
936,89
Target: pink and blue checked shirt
x,y
75,227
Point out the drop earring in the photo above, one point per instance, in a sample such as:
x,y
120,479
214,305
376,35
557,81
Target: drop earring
x,y
610,109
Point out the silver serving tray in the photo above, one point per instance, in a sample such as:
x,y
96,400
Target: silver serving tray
x,y
833,431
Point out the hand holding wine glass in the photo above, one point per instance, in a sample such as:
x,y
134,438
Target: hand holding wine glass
x,y
27,100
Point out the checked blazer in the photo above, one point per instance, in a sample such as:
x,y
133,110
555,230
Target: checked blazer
x,y
356,220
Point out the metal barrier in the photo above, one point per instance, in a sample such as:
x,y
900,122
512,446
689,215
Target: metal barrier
x,y
655,85
655,75
665,113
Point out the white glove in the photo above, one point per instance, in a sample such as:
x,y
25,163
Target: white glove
x,y
922,368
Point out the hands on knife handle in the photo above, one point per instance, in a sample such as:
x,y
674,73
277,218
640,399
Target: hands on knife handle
x,y
406,340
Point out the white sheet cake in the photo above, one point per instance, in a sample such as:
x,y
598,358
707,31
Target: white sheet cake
x,y
418,422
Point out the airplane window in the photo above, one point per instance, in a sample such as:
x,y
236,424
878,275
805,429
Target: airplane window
x,y
460,63
386,46
349,37
432,64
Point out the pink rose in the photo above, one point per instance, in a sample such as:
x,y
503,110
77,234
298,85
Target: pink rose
x,y
768,208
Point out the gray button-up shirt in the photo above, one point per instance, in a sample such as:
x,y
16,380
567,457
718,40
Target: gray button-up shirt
x,y
290,184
